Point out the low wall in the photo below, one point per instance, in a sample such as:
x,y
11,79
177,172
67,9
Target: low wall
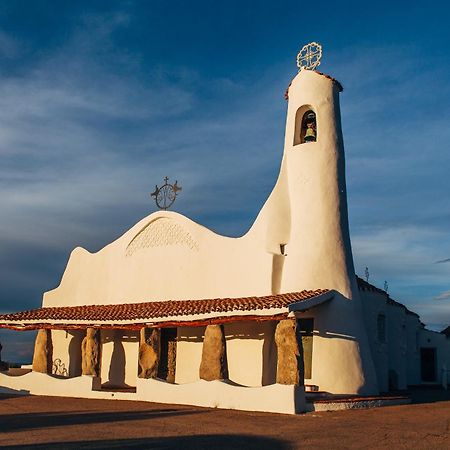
x,y
35,383
277,398
42,384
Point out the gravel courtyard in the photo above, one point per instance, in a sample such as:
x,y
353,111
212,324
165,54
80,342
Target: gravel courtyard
x,y
53,423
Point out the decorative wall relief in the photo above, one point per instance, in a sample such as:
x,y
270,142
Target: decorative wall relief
x,y
161,233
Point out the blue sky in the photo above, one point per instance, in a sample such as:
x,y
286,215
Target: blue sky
x,y
100,100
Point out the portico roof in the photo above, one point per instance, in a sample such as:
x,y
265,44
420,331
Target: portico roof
x,y
169,313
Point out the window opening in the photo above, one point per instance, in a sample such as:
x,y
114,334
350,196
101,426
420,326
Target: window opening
x,y
381,328
428,364
306,328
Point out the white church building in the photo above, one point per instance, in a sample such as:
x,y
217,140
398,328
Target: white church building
x,y
172,312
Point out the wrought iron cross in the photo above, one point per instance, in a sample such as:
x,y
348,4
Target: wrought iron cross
x,y
309,56
166,195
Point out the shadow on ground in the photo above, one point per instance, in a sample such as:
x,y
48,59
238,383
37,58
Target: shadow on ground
x,y
21,422
9,393
428,394
5,396
199,442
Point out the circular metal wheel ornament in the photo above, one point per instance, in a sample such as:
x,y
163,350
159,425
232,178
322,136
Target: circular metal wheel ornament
x,y
309,56
166,195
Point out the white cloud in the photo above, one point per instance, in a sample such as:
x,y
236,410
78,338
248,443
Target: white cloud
x,y
443,296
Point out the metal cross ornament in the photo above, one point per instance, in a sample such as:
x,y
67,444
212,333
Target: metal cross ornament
x,y
309,56
166,195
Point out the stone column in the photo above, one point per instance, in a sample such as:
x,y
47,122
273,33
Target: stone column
x,y
43,352
171,360
149,352
90,353
290,353
214,356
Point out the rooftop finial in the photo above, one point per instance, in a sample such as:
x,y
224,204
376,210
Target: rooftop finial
x,y
166,194
309,56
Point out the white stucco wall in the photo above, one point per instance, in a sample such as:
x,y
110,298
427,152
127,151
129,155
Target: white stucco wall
x,y
413,328
67,349
397,348
250,347
119,357
405,336
374,304
431,339
60,348
251,353
286,399
189,354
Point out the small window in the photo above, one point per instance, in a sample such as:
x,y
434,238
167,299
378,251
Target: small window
x,y
381,328
309,127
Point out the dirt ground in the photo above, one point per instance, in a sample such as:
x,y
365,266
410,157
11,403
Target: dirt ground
x,y
68,423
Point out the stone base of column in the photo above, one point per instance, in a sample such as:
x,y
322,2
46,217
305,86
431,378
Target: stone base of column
x,y
290,353
214,357
43,350
149,352
90,353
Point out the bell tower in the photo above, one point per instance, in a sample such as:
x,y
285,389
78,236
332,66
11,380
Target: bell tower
x,y
318,251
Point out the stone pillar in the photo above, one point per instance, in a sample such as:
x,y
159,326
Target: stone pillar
x,y
214,356
149,352
171,360
43,352
90,353
290,353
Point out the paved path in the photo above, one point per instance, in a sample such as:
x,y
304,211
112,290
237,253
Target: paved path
x,y
67,423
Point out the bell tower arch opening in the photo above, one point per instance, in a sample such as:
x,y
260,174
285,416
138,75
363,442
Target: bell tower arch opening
x,y
305,125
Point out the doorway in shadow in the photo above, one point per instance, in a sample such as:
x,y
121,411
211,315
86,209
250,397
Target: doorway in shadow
x,y
428,364
168,356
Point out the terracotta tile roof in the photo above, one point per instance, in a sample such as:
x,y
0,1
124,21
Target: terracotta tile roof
x,y
154,311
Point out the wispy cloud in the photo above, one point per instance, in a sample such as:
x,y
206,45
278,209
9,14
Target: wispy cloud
x,y
443,296
442,261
